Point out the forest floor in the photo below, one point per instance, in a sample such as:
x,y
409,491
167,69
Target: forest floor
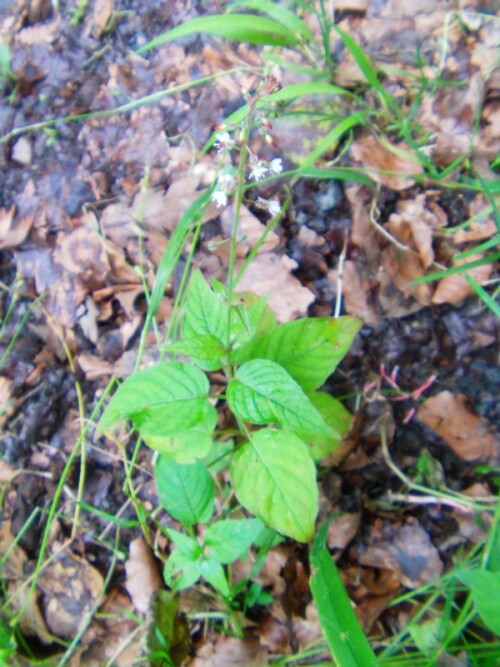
x,y
95,176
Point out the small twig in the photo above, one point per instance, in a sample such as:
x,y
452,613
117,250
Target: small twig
x,y
380,229
445,498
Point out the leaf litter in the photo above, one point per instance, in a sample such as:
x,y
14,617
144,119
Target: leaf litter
x,y
87,210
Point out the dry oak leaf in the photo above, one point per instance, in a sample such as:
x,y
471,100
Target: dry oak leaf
x,y
13,232
270,274
408,552
466,433
392,166
71,588
231,652
143,577
455,288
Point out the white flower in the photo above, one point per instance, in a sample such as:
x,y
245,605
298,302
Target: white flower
x,y
273,208
225,181
219,197
259,170
275,166
224,142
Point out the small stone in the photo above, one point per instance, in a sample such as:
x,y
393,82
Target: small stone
x,y
328,197
21,152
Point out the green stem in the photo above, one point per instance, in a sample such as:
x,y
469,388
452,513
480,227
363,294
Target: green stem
x,y
238,202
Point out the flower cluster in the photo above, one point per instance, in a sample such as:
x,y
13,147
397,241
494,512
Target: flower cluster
x,y
227,179
260,168
224,187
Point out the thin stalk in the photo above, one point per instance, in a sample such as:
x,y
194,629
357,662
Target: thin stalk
x,y
238,202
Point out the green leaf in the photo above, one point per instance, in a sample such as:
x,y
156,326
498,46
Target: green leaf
x,y
347,642
213,572
205,315
274,477
485,588
279,13
264,393
206,347
368,68
250,316
162,400
309,349
219,457
185,491
189,445
336,416
240,27
180,571
229,539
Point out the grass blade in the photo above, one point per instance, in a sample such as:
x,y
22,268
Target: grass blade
x,y
281,14
331,140
340,173
169,261
240,27
368,68
461,268
347,641
486,298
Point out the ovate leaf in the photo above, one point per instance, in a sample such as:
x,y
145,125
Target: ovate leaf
x,y
274,477
250,316
207,347
228,540
336,416
213,572
309,349
263,392
206,318
185,491
485,589
162,400
189,445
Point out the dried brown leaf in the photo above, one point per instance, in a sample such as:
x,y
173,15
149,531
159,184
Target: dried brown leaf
x,y
408,552
71,587
13,232
143,577
392,166
270,274
466,433
455,288
342,530
231,652
356,292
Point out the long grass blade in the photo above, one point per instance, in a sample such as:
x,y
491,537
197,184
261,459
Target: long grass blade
x,y
347,642
279,13
331,140
239,27
461,268
368,68
486,298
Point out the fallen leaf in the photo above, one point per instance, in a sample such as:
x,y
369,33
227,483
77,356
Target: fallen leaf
x,y
408,552
143,578
250,230
71,586
357,290
231,652
13,232
343,529
467,434
455,288
83,253
270,274
5,398
100,16
392,166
